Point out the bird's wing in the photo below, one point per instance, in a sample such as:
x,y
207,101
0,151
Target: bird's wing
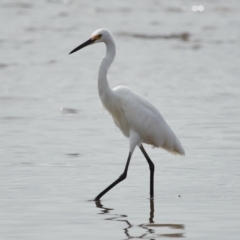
x,y
147,121
142,116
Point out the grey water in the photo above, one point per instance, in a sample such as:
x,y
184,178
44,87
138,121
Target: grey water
x,y
59,148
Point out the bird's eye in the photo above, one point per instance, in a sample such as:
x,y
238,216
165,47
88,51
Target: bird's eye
x,y
97,37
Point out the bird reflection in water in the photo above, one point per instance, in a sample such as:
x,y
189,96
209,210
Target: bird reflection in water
x,y
149,228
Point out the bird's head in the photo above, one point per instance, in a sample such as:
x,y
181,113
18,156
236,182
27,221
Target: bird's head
x,y
100,35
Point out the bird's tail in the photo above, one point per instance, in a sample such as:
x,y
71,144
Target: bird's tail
x,y
177,148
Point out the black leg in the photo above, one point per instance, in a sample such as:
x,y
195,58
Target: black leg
x,y
151,167
151,211
121,178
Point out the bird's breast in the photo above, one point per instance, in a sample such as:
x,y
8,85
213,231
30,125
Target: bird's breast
x,y
114,108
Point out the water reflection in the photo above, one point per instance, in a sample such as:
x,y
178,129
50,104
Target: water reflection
x,y
173,230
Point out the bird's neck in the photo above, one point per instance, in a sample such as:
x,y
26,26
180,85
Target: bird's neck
x,y
103,86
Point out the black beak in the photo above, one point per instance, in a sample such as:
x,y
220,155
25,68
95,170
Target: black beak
x,y
88,42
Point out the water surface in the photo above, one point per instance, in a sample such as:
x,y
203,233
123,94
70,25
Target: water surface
x,y
59,148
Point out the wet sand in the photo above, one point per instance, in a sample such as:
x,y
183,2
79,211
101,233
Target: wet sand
x,y
59,148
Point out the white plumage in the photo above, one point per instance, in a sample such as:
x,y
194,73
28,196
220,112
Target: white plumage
x,y
137,118
141,118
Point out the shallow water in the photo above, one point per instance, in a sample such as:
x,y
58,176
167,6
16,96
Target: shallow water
x,y
59,148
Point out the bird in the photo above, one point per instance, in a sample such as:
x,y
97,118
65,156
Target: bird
x,y
136,117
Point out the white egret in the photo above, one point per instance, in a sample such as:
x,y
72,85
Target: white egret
x,y
137,118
